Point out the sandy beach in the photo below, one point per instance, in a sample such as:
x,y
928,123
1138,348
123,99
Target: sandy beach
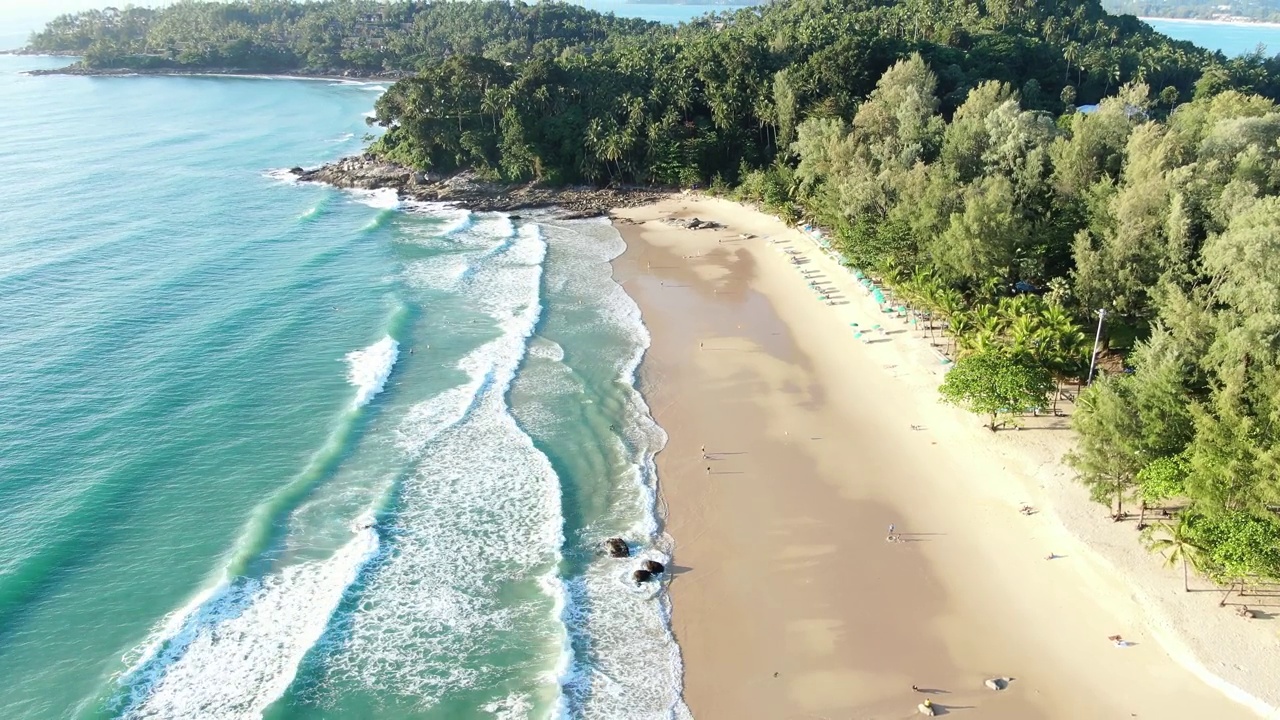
x,y
794,446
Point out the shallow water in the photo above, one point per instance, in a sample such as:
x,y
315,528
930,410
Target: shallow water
x,y
278,450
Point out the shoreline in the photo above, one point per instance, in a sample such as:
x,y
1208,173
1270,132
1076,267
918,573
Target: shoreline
x,y
74,71
780,371
1203,21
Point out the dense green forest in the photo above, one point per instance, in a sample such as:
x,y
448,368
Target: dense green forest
x,y
331,35
940,145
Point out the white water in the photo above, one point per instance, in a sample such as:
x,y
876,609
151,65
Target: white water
x,y
632,666
384,199
239,649
368,369
479,519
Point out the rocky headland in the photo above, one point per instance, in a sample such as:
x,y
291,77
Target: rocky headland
x,y
368,172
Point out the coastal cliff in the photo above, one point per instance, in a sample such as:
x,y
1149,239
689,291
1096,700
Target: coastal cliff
x,y
369,172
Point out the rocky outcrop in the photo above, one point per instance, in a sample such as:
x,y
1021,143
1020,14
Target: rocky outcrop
x,y
694,223
617,547
641,576
369,172
653,567
364,172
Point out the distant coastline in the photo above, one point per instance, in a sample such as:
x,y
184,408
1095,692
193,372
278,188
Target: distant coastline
x,y
699,3
226,72
1242,22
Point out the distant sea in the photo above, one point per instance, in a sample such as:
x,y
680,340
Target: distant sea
x,y
280,450
1230,38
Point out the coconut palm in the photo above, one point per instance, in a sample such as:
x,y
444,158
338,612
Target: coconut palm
x,y
1024,337
950,305
960,324
1175,543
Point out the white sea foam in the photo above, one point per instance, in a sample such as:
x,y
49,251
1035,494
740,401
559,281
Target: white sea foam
x,y
456,220
382,199
282,175
236,652
630,665
477,527
468,242
515,706
368,369
343,138
546,350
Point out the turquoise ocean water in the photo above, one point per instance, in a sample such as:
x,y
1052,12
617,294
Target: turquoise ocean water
x,y
1231,39
279,450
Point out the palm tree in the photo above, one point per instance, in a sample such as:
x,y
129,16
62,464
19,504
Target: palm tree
x,y
960,324
1071,53
1177,546
950,304
1024,336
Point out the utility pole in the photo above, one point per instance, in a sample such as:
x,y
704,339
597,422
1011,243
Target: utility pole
x,y
1093,360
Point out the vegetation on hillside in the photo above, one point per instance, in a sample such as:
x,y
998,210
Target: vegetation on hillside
x,y
360,36
941,146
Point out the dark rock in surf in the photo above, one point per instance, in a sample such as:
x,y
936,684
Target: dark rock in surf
x,y
617,547
641,576
653,567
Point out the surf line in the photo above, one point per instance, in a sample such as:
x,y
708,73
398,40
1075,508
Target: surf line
x,y
368,371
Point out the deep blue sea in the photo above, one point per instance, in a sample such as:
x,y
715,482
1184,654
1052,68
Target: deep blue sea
x,y
280,450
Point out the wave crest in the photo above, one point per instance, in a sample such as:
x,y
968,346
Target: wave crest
x,y
368,369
